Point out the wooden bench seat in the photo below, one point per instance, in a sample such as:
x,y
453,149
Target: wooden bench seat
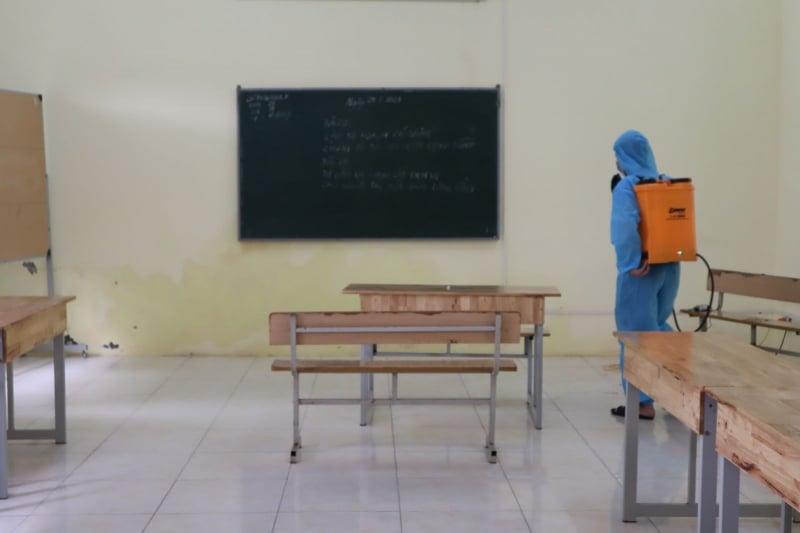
x,y
368,328
416,366
764,286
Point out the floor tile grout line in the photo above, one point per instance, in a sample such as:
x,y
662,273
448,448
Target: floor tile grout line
x,y
200,441
61,483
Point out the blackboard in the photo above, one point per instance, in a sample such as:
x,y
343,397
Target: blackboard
x,y
368,163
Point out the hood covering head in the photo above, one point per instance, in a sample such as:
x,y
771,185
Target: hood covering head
x,y
634,155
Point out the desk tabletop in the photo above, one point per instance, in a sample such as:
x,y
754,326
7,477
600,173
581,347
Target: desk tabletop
x,y
14,309
676,368
711,359
453,290
758,429
778,409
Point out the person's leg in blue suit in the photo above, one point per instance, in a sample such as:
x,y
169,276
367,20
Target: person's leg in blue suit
x,y
645,304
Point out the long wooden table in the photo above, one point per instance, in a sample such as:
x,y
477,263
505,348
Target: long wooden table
x,y
758,431
26,322
676,370
529,302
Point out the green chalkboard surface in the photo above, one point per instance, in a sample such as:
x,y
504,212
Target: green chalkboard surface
x,y
368,163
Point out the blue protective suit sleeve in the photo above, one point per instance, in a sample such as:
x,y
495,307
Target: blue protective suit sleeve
x,y
625,219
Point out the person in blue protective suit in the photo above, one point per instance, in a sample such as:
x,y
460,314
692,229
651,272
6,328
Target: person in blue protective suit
x,y
645,293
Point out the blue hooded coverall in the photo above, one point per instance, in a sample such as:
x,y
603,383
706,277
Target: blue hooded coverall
x,y
642,303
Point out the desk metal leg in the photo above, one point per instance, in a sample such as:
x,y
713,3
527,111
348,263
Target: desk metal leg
x,y
631,461
60,389
11,424
536,367
367,384
786,517
3,431
707,506
528,349
294,455
729,502
691,493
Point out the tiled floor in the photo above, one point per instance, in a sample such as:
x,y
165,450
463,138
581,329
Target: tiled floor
x,y
200,444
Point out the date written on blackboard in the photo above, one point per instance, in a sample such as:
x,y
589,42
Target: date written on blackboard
x,y
357,102
267,106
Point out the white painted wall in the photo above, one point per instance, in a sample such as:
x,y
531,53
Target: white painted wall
x,y
140,117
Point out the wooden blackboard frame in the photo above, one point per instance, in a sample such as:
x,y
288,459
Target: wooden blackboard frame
x,y
475,215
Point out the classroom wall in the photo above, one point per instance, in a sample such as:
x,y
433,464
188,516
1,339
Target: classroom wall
x,y
788,251
140,120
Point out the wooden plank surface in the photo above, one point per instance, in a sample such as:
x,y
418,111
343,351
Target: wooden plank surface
x,y
24,225
414,366
527,301
675,368
21,124
758,429
279,329
468,290
530,308
27,322
746,318
781,288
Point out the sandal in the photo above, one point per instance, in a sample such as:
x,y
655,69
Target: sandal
x,y
620,411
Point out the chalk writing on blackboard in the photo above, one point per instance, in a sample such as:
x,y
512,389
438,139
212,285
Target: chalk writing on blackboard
x,y
368,163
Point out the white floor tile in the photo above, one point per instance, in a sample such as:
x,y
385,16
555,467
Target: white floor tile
x,y
342,491
211,523
237,465
338,522
244,495
121,465
105,497
85,523
10,523
474,493
202,444
464,521
594,521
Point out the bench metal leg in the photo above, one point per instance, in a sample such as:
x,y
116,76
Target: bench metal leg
x,y
367,386
296,444
729,502
631,461
491,451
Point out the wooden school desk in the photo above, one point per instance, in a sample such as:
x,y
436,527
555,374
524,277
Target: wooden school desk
x,y
676,369
527,301
26,322
758,431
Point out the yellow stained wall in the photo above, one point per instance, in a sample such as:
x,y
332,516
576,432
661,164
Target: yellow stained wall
x,y
140,119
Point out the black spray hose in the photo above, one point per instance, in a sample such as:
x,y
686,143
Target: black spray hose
x,y
704,320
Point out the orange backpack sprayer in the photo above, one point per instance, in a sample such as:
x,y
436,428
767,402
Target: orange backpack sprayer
x,y
667,227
